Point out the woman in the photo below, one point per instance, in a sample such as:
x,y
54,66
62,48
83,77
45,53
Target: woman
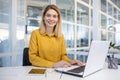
x,y
47,47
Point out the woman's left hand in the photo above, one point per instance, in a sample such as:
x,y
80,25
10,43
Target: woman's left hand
x,y
77,62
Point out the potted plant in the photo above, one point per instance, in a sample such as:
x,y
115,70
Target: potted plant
x,y
113,47
113,62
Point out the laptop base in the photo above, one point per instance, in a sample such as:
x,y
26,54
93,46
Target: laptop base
x,y
70,73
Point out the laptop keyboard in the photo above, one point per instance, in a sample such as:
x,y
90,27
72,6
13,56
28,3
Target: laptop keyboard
x,y
77,70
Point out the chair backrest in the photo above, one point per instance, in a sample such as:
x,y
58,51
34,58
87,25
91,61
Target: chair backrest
x,y
26,61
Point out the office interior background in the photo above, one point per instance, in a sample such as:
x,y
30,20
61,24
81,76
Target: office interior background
x,y
82,22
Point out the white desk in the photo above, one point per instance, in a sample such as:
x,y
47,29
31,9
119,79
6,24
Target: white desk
x,y
21,73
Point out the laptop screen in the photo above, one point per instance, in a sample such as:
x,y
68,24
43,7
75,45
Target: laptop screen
x,y
96,57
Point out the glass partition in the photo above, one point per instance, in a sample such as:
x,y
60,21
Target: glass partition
x,y
4,11
119,15
91,17
82,36
103,5
68,31
5,61
116,2
103,35
110,36
5,38
87,1
82,14
110,9
117,39
109,22
67,9
115,13
103,21
4,26
34,13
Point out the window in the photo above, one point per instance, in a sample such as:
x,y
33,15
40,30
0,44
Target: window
x,y
82,14
110,9
68,31
103,21
67,9
82,36
103,5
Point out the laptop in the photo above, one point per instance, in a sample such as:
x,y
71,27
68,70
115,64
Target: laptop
x,y
95,61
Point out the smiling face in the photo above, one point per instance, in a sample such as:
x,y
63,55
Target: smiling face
x,y
51,21
51,18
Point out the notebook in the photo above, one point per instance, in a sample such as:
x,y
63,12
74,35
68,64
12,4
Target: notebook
x,y
95,61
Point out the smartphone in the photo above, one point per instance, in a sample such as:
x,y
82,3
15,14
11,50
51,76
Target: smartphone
x,y
37,71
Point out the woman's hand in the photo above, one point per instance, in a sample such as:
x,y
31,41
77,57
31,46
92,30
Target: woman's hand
x,y
62,64
77,62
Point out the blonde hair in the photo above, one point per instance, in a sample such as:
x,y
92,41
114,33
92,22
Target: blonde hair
x,y
57,28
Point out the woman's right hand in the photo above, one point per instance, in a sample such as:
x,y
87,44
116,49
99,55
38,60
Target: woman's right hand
x,y
62,64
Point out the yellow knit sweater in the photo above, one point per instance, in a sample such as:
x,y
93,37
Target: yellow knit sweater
x,y
46,50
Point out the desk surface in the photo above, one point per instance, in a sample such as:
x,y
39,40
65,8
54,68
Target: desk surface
x,y
21,73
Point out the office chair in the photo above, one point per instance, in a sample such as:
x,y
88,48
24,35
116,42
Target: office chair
x,y
26,61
